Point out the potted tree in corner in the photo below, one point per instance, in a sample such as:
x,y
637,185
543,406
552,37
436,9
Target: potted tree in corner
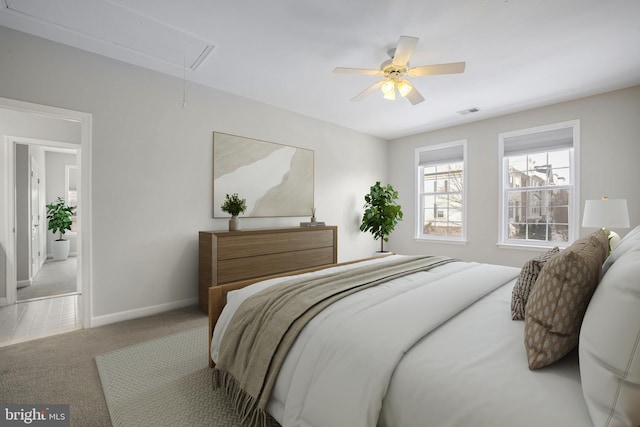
x,y
234,206
382,213
59,221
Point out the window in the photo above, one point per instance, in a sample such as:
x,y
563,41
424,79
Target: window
x,y
441,180
539,185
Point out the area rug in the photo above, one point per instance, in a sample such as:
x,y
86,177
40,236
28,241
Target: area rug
x,y
165,382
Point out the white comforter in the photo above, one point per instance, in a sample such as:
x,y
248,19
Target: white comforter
x,y
347,367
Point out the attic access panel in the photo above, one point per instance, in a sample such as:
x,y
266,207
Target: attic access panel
x,y
134,32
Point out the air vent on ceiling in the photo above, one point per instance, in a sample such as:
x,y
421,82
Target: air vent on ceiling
x,y
468,111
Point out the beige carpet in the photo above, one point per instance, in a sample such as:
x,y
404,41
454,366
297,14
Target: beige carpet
x,y
164,382
62,369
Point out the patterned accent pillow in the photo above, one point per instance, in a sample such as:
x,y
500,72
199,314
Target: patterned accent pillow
x,y
526,281
560,297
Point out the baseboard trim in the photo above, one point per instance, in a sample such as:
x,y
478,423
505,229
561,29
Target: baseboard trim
x,y
71,254
23,283
140,312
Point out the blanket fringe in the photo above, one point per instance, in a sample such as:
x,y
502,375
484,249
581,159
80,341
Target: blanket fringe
x,y
245,405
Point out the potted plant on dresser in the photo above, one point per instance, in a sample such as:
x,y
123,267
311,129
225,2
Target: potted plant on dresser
x,y
382,213
59,221
234,206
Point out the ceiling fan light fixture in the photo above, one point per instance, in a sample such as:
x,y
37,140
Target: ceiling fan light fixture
x,y
388,88
404,87
395,69
391,96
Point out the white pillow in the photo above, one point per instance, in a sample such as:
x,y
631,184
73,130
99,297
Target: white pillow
x,y
609,346
629,242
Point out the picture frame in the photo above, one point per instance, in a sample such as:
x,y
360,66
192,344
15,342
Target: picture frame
x,y
276,180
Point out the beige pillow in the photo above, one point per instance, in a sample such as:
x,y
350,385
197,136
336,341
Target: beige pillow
x,y
526,280
560,297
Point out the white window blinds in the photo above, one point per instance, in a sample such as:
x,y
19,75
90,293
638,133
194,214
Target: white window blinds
x,y
438,156
538,142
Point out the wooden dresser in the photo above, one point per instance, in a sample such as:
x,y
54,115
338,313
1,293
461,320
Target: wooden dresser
x,y
231,256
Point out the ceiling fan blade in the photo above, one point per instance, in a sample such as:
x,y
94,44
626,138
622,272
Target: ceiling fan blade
x,y
432,70
404,50
357,71
368,90
414,96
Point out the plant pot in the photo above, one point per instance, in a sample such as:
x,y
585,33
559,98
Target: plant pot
x,y
234,223
381,253
60,249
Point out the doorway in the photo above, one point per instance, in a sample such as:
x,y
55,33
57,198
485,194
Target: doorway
x,y
41,128
44,172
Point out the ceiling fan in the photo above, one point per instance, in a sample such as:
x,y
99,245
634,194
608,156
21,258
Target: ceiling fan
x,y
395,70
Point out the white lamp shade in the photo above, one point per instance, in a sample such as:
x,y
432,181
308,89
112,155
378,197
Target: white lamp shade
x,y
609,213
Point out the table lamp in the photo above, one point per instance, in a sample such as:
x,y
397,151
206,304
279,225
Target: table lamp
x,y
606,214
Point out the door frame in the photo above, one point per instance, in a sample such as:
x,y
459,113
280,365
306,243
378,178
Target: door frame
x,y
84,241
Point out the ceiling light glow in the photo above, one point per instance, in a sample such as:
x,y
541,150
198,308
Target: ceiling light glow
x,y
404,87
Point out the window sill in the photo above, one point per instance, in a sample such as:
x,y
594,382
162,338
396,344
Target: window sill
x,y
530,247
446,241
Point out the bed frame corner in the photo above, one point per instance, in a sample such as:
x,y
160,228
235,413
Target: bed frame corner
x,y
217,300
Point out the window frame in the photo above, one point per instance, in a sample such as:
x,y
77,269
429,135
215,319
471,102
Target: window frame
x,y
420,193
573,217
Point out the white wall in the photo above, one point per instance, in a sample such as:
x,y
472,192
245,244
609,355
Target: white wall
x,y
33,126
152,167
609,156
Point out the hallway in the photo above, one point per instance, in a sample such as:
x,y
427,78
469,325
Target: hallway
x,y
54,278
49,306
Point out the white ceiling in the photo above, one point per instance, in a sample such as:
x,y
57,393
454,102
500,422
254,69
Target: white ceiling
x,y
519,54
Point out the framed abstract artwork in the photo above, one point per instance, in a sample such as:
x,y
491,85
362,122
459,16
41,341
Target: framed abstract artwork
x,y
275,179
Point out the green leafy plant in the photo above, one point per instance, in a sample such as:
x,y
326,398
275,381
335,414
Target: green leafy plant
x,y
382,213
59,217
234,205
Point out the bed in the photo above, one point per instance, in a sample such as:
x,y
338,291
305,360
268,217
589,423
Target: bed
x,y
439,346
